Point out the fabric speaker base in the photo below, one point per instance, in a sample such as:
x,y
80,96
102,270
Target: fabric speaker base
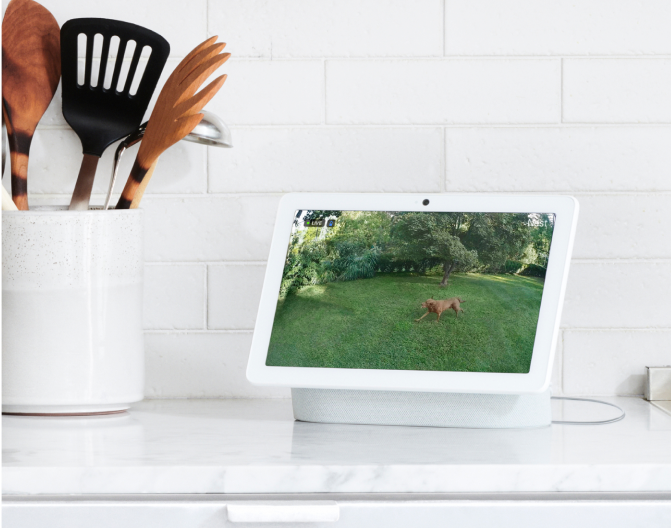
x,y
428,409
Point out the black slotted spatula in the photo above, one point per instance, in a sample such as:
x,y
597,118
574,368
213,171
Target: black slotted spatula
x,y
106,112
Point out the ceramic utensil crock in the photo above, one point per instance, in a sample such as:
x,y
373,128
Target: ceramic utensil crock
x,y
72,338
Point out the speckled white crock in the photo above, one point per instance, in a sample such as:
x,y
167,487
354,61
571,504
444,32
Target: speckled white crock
x,y
72,337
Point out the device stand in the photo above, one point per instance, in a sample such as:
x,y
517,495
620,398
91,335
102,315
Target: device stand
x,y
431,409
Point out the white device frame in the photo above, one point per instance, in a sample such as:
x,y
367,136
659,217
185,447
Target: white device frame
x,y
537,380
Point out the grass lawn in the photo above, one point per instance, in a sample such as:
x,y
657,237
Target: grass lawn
x,y
370,324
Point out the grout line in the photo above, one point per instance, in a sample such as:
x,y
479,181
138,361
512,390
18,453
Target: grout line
x,y
208,263
324,122
444,28
196,331
185,196
561,92
206,307
207,170
39,198
402,126
444,57
207,19
561,373
612,260
444,161
651,329
264,262
616,329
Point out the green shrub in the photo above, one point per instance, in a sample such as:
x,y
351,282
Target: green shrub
x,y
533,270
512,266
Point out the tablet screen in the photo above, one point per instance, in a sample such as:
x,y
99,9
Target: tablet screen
x,y
438,291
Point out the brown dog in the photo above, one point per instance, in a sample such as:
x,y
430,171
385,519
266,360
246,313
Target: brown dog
x,y
439,307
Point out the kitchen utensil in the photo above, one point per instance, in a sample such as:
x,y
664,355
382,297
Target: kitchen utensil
x,y
4,147
175,114
7,202
211,131
31,68
103,113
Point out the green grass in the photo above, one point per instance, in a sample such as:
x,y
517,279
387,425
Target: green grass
x,y
370,324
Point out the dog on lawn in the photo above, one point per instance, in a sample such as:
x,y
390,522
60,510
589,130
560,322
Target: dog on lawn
x,y
438,307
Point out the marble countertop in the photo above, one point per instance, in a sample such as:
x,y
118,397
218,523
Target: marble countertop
x,y
254,446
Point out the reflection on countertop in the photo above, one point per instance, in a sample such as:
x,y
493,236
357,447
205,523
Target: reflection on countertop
x,y
255,446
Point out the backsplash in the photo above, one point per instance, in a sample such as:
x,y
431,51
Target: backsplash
x,y
400,96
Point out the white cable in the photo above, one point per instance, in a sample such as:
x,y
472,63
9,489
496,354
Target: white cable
x,y
602,422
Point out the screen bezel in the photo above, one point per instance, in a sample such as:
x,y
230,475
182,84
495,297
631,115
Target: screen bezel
x,y
537,380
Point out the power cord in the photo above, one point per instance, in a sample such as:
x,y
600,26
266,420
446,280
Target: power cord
x,y
602,422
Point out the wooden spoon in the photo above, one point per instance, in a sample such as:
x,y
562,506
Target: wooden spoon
x,y
31,69
7,203
175,115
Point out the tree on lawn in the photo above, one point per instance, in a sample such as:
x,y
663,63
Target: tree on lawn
x,y
435,237
461,240
498,237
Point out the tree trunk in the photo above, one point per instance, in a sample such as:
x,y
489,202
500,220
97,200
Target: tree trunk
x,y
447,268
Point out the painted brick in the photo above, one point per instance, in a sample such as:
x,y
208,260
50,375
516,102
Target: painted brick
x,y
174,296
382,65
200,365
183,28
624,226
612,361
53,117
55,158
234,291
209,228
329,159
346,28
567,159
442,91
617,91
561,27
263,92
619,294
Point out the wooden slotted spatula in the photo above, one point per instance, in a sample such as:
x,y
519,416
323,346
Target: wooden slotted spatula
x,y
103,110
175,115
31,69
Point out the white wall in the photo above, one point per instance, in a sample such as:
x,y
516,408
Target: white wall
x,y
398,95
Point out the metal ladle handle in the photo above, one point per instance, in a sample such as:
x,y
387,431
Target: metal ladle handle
x,y
131,140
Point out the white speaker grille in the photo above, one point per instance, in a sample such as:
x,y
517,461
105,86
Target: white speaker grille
x,y
433,409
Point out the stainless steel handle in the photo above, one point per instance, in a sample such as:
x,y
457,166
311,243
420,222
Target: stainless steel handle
x,y
130,140
81,196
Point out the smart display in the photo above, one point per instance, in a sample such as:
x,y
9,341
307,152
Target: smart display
x,y
405,290
410,292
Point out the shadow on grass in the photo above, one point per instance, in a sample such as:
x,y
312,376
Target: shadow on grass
x,y
369,323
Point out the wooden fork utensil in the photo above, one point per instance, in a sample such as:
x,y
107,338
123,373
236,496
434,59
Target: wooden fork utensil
x,y
176,114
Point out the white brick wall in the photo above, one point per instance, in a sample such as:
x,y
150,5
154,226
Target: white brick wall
x,y
445,91
399,96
